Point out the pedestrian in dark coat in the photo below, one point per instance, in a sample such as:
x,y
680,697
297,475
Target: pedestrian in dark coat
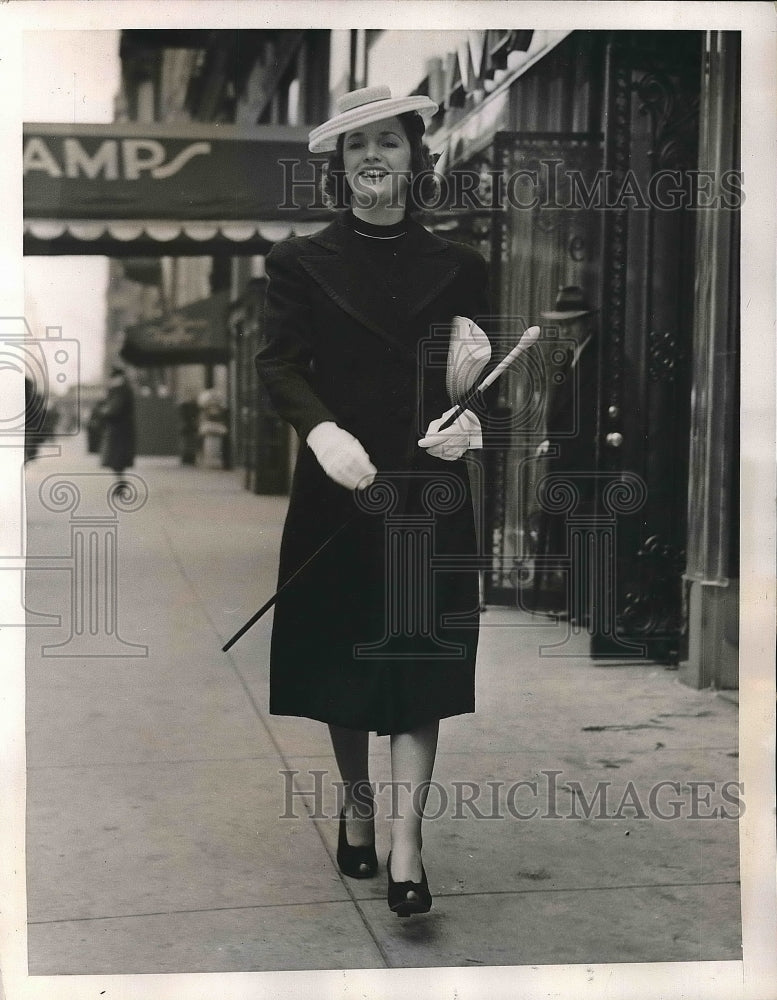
x,y
368,638
117,411
188,416
34,419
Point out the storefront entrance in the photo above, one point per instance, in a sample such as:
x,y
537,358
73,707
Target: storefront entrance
x,y
588,211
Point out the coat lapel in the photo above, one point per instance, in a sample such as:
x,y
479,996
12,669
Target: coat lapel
x,y
339,267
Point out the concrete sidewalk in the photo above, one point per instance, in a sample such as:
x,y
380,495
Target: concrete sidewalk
x,y
156,782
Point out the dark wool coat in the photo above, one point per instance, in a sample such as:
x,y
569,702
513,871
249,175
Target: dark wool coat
x,y
117,412
365,637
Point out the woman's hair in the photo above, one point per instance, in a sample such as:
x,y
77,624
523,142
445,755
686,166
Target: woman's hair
x,y
424,185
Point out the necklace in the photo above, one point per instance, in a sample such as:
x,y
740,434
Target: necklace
x,y
372,236
372,232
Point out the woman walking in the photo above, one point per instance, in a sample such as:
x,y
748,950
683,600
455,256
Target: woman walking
x,y
367,638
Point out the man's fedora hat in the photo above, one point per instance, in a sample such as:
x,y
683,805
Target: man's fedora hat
x,y
361,107
571,303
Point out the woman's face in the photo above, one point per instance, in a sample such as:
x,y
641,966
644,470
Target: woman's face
x,y
376,158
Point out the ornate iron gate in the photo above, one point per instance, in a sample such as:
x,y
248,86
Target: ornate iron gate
x,y
544,236
612,217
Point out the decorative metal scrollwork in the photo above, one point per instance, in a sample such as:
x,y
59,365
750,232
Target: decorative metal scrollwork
x,y
674,120
652,606
616,241
576,248
665,354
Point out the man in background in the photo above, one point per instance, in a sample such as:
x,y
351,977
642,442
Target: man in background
x,y
570,444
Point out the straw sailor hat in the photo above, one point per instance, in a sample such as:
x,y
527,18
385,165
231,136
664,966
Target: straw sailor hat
x,y
361,107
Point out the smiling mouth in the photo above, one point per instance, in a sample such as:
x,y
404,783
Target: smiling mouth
x,y
373,175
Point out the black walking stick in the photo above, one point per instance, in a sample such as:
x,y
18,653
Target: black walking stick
x,y
526,341
266,607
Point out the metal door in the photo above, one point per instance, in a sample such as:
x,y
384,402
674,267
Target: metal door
x,y
652,87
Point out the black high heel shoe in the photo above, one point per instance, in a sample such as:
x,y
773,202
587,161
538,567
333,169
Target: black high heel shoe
x,y
356,862
407,898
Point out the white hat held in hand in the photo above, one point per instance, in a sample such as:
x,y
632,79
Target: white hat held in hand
x,y
468,354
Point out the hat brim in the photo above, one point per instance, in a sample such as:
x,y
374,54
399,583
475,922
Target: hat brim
x,y
574,314
323,138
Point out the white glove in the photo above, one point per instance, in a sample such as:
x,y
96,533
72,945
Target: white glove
x,y
341,456
464,433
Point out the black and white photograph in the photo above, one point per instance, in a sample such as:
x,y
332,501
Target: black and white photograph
x,y
388,462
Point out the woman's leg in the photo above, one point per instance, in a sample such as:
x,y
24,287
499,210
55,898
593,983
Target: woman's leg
x,y
351,747
412,762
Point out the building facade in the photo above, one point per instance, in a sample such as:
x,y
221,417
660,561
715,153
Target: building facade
x,y
606,160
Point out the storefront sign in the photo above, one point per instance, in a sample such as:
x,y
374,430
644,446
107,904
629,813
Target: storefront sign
x,y
165,172
193,334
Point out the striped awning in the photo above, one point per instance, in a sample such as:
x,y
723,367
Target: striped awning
x,y
138,238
